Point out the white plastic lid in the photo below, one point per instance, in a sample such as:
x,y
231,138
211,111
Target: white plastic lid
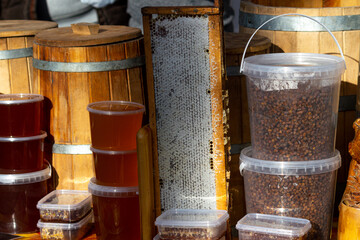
x,y
109,191
26,178
20,98
76,200
293,66
275,225
115,108
288,168
99,151
67,226
189,218
23,139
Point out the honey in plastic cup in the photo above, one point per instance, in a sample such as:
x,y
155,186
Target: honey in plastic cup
x,y
116,168
19,196
20,115
114,124
21,154
116,211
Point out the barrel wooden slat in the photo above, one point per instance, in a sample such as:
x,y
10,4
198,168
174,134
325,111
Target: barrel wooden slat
x,y
98,80
5,82
118,79
28,44
132,49
18,67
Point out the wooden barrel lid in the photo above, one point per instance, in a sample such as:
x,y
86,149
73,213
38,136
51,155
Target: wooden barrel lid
x,y
235,43
70,37
18,28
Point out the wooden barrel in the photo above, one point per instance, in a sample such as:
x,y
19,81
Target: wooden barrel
x,y
307,3
73,69
239,129
298,34
16,39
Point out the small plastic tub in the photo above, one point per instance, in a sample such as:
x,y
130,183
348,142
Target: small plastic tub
x,y
114,124
19,196
64,206
293,105
263,226
66,231
20,115
116,168
116,211
21,154
301,189
192,224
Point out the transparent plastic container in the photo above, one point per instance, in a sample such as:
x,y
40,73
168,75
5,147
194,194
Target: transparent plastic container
x,y
192,224
302,189
19,196
20,115
66,231
293,105
263,226
21,154
116,168
114,124
64,206
116,211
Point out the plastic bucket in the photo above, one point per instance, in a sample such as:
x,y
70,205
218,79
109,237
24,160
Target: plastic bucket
x,y
293,102
21,154
20,115
19,196
114,124
301,189
116,211
116,168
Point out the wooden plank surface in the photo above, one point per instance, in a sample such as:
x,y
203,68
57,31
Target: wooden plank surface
x,y
15,28
5,83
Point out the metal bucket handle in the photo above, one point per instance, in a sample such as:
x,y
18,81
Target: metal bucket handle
x,y
286,14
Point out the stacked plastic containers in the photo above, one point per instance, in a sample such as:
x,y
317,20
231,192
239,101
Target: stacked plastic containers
x,y
115,191
197,224
23,170
65,214
291,167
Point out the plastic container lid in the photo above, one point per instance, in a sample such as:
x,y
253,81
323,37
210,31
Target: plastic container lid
x,y
23,139
99,151
274,225
157,237
26,178
75,200
67,226
115,108
293,66
20,98
114,192
288,168
190,218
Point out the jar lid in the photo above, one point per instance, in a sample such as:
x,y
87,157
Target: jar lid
x,y
115,108
20,98
114,192
18,28
293,66
187,218
26,178
247,162
65,37
275,225
24,139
